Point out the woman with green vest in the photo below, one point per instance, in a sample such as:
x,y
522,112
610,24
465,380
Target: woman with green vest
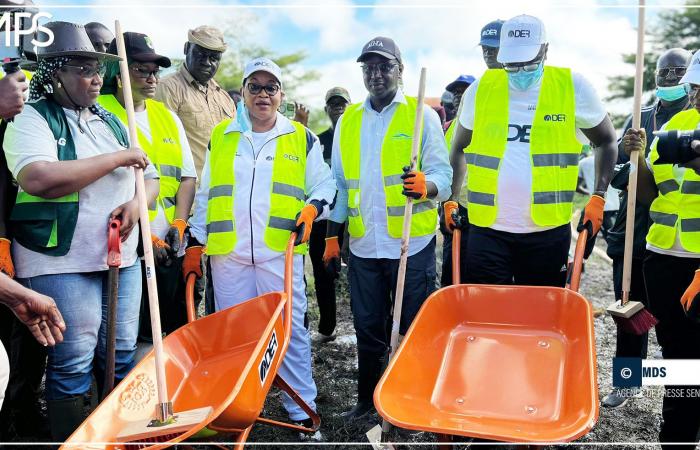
x,y
672,261
73,164
162,136
264,177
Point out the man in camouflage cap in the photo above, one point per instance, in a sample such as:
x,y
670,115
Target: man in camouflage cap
x,y
192,93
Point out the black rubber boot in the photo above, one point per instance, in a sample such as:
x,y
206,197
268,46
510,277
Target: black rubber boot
x,y
369,368
65,415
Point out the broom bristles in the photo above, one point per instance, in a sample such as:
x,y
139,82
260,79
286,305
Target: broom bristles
x,y
638,324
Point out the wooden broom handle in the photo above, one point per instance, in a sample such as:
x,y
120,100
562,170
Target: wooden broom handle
x,y
145,225
634,157
407,215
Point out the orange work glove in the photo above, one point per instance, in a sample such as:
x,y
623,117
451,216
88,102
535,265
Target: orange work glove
x,y
193,261
414,184
305,220
160,250
175,235
331,257
449,208
593,215
689,300
6,265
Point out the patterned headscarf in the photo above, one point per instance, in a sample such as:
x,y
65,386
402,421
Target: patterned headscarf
x,y
41,83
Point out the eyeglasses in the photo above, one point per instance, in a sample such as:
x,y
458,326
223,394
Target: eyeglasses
x,y
677,71
87,71
270,89
145,73
529,67
384,68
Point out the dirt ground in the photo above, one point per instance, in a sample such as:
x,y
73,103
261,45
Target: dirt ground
x,y
334,364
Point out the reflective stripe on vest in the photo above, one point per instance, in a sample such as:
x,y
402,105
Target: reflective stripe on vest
x,y
554,148
164,150
395,154
677,204
287,190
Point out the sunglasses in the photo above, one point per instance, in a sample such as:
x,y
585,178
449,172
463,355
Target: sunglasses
x,y
677,71
87,71
270,89
384,68
514,68
145,73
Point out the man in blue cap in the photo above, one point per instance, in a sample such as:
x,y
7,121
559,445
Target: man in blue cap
x,y
456,88
490,39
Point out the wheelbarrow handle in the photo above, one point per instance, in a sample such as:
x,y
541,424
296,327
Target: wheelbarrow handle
x,y
189,298
288,281
114,243
577,264
456,247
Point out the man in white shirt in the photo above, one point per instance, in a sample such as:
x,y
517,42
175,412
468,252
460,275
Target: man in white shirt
x,y
519,125
371,147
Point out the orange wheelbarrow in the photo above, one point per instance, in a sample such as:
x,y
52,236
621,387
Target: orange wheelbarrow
x,y
504,363
227,361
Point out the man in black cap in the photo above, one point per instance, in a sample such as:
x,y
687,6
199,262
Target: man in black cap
x,y
171,151
337,99
671,98
371,157
100,36
490,41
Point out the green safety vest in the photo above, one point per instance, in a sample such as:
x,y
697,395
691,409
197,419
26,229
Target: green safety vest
x,y
554,149
676,205
449,135
46,225
287,196
396,153
164,150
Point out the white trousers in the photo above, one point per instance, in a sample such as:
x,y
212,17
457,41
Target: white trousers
x,y
4,372
235,282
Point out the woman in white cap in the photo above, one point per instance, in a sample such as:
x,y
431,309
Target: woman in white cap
x,y
74,169
263,178
672,261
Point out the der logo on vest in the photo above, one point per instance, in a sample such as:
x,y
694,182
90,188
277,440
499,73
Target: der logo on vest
x,y
555,118
519,33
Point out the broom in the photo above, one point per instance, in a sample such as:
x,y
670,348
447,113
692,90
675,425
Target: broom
x,y
631,316
378,436
165,425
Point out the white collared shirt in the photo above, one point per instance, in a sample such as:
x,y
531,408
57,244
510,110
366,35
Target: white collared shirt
x,y
376,242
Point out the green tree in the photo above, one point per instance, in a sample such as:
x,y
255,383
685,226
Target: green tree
x,y
672,28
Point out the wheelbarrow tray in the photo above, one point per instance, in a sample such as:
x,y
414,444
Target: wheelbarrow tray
x,y
227,361
509,363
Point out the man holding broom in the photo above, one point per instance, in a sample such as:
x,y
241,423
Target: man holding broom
x,y
672,262
520,129
371,157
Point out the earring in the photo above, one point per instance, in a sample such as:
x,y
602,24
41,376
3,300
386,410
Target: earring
x,y
119,83
59,85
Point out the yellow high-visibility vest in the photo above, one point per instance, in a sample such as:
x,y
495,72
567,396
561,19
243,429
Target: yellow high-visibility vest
x,y
164,150
677,205
287,195
554,149
396,153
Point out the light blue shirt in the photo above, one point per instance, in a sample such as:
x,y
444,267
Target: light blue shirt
x,y
376,242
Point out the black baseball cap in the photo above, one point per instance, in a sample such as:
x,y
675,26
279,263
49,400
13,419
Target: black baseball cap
x,y
139,47
382,46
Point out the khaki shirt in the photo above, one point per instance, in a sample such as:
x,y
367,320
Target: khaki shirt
x,y
199,108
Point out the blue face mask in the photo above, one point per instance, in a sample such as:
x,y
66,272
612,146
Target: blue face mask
x,y
523,80
672,93
242,117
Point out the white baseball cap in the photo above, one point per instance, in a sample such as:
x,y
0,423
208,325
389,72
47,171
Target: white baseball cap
x,y
521,39
692,75
262,65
